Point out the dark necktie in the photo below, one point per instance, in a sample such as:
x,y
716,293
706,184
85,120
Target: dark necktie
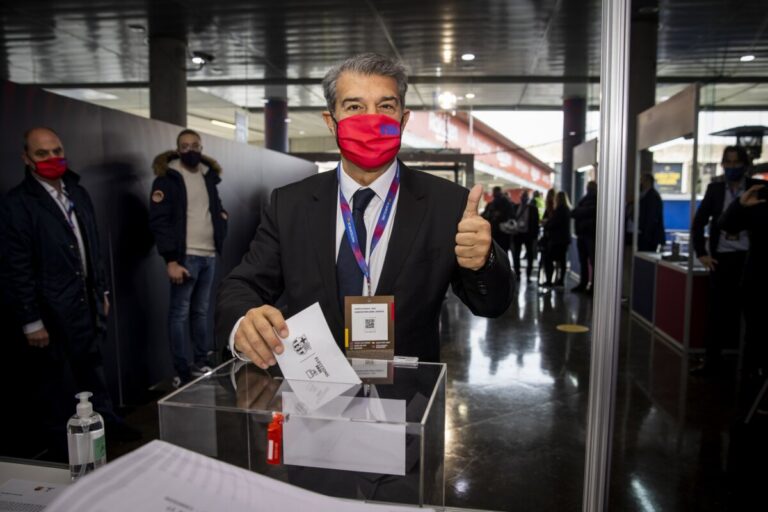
x,y
349,277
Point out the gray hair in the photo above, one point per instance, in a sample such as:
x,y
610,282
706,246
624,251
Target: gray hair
x,y
366,64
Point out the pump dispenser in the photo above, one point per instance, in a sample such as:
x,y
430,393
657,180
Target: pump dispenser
x,y
85,438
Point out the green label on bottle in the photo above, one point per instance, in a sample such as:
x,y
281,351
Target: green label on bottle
x,y
99,448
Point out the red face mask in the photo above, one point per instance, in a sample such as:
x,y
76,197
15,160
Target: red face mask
x,y
51,168
368,140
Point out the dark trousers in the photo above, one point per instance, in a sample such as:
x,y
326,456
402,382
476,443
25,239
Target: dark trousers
x,y
586,247
755,307
518,242
725,304
556,256
502,239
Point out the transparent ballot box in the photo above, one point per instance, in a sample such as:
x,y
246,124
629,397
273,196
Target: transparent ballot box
x,y
382,440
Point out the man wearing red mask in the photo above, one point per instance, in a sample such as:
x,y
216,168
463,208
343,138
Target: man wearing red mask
x,y
53,278
373,227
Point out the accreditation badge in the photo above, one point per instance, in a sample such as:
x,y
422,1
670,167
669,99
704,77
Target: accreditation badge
x,y
369,327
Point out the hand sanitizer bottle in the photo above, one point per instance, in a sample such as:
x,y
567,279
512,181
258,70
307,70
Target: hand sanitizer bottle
x,y
85,438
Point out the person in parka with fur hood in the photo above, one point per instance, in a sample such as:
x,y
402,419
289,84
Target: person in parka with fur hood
x,y
189,224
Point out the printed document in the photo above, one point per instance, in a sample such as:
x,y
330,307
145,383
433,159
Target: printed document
x,y
159,477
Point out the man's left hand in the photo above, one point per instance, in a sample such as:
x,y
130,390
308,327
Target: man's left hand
x,y
473,239
751,197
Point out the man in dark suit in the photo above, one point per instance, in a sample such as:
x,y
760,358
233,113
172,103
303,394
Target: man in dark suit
x,y
302,251
498,211
650,224
750,213
53,278
585,224
724,257
527,217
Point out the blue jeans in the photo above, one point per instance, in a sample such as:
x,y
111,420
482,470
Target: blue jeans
x,y
189,307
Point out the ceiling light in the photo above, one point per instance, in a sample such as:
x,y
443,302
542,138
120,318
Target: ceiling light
x,y
470,95
747,58
468,56
85,94
447,56
198,60
446,100
222,124
287,119
439,71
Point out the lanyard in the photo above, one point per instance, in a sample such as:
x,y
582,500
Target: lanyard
x,y
378,231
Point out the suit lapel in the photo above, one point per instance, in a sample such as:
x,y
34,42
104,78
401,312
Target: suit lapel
x,y
321,220
49,203
411,208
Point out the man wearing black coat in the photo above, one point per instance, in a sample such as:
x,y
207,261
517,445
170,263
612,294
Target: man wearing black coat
x,y
189,224
302,251
585,217
724,257
650,224
498,211
54,281
527,217
750,213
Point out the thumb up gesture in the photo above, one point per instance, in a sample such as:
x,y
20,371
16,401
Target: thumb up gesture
x,y
473,237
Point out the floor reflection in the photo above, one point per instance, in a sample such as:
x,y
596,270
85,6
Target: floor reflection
x,y
517,404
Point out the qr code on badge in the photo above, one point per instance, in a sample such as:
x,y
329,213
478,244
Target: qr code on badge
x,y
370,323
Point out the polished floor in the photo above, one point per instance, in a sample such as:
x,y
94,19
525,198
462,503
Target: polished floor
x,y
516,417
518,397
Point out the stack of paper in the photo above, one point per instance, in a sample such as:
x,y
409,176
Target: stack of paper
x,y
161,477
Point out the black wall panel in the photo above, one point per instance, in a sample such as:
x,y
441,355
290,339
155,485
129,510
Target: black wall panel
x,y
113,152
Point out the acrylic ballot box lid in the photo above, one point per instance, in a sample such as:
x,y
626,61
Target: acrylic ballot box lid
x,y
243,387
381,440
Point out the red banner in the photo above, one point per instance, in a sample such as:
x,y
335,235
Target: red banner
x,y
494,153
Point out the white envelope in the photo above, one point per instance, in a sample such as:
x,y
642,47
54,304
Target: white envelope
x,y
311,353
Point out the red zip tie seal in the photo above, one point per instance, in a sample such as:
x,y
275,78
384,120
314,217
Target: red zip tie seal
x,y
274,438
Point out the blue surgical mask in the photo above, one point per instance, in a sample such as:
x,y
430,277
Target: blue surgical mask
x,y
734,173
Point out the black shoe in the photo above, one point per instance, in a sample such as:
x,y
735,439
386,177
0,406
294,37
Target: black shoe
x,y
121,432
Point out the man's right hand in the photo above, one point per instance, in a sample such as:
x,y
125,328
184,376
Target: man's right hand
x,y
38,338
177,273
708,261
255,337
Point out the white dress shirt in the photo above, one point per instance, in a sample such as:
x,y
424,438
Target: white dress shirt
x,y
371,216
741,242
